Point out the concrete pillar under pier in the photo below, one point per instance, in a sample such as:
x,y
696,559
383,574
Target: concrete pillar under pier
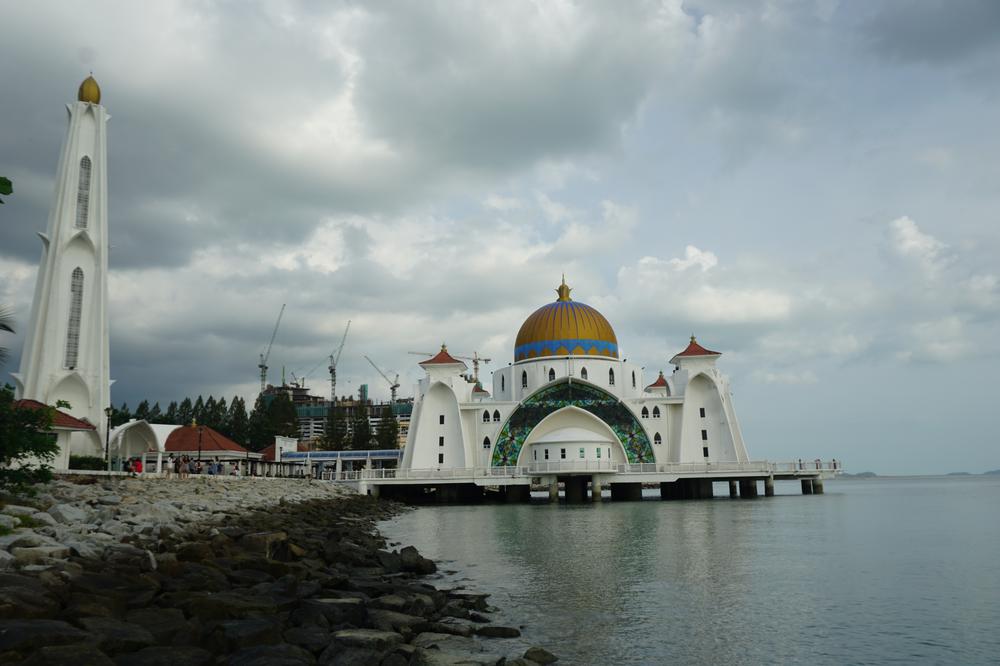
x,y
373,490
705,488
554,491
817,486
517,494
769,487
576,489
748,488
807,487
733,492
595,488
626,492
670,490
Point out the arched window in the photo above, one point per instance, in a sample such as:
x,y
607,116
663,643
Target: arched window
x,y
611,376
524,379
583,373
552,374
486,442
83,194
657,439
486,416
496,415
656,412
75,310
633,379
645,413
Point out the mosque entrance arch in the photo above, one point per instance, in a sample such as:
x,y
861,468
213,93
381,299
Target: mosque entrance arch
x,y
587,397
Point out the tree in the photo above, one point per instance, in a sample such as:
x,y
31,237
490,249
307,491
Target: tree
x,y
220,415
237,421
142,411
198,410
283,417
361,438
25,436
155,416
387,436
335,434
185,412
6,187
120,416
170,416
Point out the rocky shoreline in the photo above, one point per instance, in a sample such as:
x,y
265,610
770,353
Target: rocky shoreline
x,y
226,571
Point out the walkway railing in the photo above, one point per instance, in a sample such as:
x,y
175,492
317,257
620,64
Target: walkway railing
x,y
761,467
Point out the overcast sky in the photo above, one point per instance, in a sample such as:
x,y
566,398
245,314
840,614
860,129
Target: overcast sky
x,y
810,188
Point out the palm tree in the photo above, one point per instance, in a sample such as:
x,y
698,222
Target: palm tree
x,y
7,326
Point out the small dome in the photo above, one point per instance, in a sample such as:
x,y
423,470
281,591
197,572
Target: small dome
x,y
565,328
89,92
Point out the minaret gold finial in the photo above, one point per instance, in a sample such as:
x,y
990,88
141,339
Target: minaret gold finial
x,y
89,91
564,290
692,338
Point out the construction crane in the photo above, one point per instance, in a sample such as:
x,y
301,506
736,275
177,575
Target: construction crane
x,y
393,383
267,353
334,359
475,358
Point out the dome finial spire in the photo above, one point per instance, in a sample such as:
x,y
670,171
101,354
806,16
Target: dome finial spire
x,y
89,91
564,290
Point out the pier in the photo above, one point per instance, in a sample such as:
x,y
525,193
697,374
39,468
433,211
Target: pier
x,y
585,480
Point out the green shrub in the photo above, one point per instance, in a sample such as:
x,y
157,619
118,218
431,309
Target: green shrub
x,y
87,462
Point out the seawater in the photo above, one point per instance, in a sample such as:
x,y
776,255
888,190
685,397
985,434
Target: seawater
x,y
875,571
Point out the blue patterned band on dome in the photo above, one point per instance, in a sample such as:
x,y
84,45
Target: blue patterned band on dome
x,y
550,347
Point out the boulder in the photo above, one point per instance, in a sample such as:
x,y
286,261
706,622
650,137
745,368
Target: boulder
x,y
8,522
166,656
27,635
25,597
272,655
439,649
231,635
264,544
45,518
387,620
338,611
412,560
39,554
497,631
115,636
109,500
78,655
312,638
371,639
540,655
167,625
339,655
227,606
68,514
17,510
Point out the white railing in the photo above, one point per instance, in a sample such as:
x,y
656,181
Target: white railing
x,y
762,467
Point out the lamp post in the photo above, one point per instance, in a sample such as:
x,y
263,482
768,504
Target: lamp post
x,y
107,436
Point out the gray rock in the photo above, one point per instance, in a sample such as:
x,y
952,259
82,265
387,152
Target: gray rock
x,y
439,649
339,655
167,625
17,510
388,620
115,636
39,554
6,560
109,500
272,655
46,518
231,635
67,514
25,597
78,655
26,635
312,638
497,631
371,639
166,656
8,522
412,560
85,549
540,655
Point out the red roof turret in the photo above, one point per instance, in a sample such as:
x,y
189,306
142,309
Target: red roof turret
x,y
694,349
442,358
185,438
661,382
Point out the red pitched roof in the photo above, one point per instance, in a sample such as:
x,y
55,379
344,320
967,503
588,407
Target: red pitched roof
x,y
269,454
661,382
478,388
694,349
185,438
442,358
60,419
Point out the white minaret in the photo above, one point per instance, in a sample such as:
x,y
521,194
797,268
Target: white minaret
x,y
65,354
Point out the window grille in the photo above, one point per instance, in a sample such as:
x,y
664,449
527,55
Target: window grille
x,y
75,311
83,194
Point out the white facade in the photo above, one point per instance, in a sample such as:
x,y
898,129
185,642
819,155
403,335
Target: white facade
x,y
65,354
574,407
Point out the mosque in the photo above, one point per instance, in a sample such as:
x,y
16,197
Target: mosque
x,y
569,402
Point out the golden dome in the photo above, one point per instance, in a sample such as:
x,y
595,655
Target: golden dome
x,y
565,328
89,92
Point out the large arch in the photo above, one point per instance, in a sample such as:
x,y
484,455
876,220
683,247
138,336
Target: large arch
x,y
576,426
586,396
